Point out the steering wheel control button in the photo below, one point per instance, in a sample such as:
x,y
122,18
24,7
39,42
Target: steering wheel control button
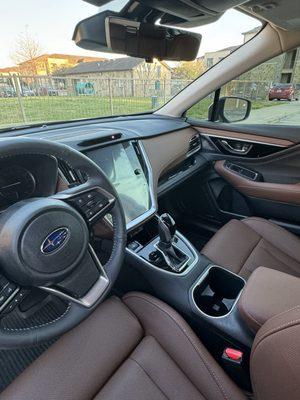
x,y
7,294
18,297
91,204
3,298
3,282
9,289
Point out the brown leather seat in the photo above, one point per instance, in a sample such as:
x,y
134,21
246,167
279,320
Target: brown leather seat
x,y
140,348
242,246
135,349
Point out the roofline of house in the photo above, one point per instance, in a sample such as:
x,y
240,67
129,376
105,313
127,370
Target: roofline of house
x,y
61,55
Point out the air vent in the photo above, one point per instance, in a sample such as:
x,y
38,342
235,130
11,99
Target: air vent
x,y
70,174
195,144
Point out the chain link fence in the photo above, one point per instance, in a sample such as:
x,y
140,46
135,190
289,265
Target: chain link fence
x,y
35,99
252,90
29,99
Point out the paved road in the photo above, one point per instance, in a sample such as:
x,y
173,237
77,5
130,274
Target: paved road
x,y
286,113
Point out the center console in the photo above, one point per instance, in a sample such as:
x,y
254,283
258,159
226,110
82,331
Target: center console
x,y
186,279
160,246
205,294
217,291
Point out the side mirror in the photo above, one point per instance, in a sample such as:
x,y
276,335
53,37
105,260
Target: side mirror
x,y
233,109
108,32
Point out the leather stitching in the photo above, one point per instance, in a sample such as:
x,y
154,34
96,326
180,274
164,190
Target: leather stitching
x,y
278,328
213,375
39,326
149,376
273,255
243,308
248,256
265,221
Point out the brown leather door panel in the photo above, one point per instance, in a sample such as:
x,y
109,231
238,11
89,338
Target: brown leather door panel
x,y
279,192
246,137
270,153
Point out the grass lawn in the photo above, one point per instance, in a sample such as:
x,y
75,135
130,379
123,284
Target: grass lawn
x,y
46,109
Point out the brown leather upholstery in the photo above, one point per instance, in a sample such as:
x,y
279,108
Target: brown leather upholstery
x,y
275,361
242,246
280,192
266,294
136,349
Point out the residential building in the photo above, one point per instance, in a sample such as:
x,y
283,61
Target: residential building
x,y
127,76
9,70
284,68
250,34
47,64
213,57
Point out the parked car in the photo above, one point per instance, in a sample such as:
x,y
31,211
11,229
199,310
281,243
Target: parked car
x,y
28,92
47,91
7,91
284,91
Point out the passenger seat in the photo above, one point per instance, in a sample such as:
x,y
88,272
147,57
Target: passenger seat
x,y
242,246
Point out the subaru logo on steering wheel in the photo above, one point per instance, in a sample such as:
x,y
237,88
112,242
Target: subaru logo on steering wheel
x,y
55,240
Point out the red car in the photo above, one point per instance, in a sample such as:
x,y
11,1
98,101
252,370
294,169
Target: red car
x,y
283,91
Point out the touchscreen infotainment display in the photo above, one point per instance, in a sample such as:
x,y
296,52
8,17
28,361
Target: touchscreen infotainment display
x,y
123,168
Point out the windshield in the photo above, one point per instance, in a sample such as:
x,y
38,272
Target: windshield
x,y
45,78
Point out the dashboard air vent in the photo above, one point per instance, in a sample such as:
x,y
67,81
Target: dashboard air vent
x,y
195,144
70,174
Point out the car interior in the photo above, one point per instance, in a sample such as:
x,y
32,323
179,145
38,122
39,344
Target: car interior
x,y
156,256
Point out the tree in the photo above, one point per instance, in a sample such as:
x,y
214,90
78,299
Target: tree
x,y
189,69
26,49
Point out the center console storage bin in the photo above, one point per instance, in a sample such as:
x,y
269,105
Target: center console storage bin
x,y
217,291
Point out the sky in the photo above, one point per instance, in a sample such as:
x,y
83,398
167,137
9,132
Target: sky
x,y
52,23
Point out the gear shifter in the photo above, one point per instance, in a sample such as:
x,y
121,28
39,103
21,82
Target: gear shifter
x,y
174,257
166,229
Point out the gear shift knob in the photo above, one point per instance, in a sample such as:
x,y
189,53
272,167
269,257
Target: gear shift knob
x,y
166,229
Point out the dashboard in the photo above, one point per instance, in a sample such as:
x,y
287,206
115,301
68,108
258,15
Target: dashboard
x,y
134,152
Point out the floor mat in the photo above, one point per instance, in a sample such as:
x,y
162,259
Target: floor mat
x,y
13,362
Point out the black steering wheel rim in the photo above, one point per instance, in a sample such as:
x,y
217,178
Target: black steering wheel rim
x,y
75,312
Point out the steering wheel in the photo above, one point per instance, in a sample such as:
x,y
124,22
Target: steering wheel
x,y
45,243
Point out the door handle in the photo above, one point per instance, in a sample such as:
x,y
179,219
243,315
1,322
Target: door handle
x,y
240,148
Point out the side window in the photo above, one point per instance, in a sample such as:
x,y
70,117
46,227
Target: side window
x,y
201,109
267,94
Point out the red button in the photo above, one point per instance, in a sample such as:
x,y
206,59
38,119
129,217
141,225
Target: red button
x,y
232,354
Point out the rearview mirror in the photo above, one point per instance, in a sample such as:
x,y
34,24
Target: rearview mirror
x,y
108,32
233,109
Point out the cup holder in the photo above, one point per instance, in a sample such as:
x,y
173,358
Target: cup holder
x,y
217,291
